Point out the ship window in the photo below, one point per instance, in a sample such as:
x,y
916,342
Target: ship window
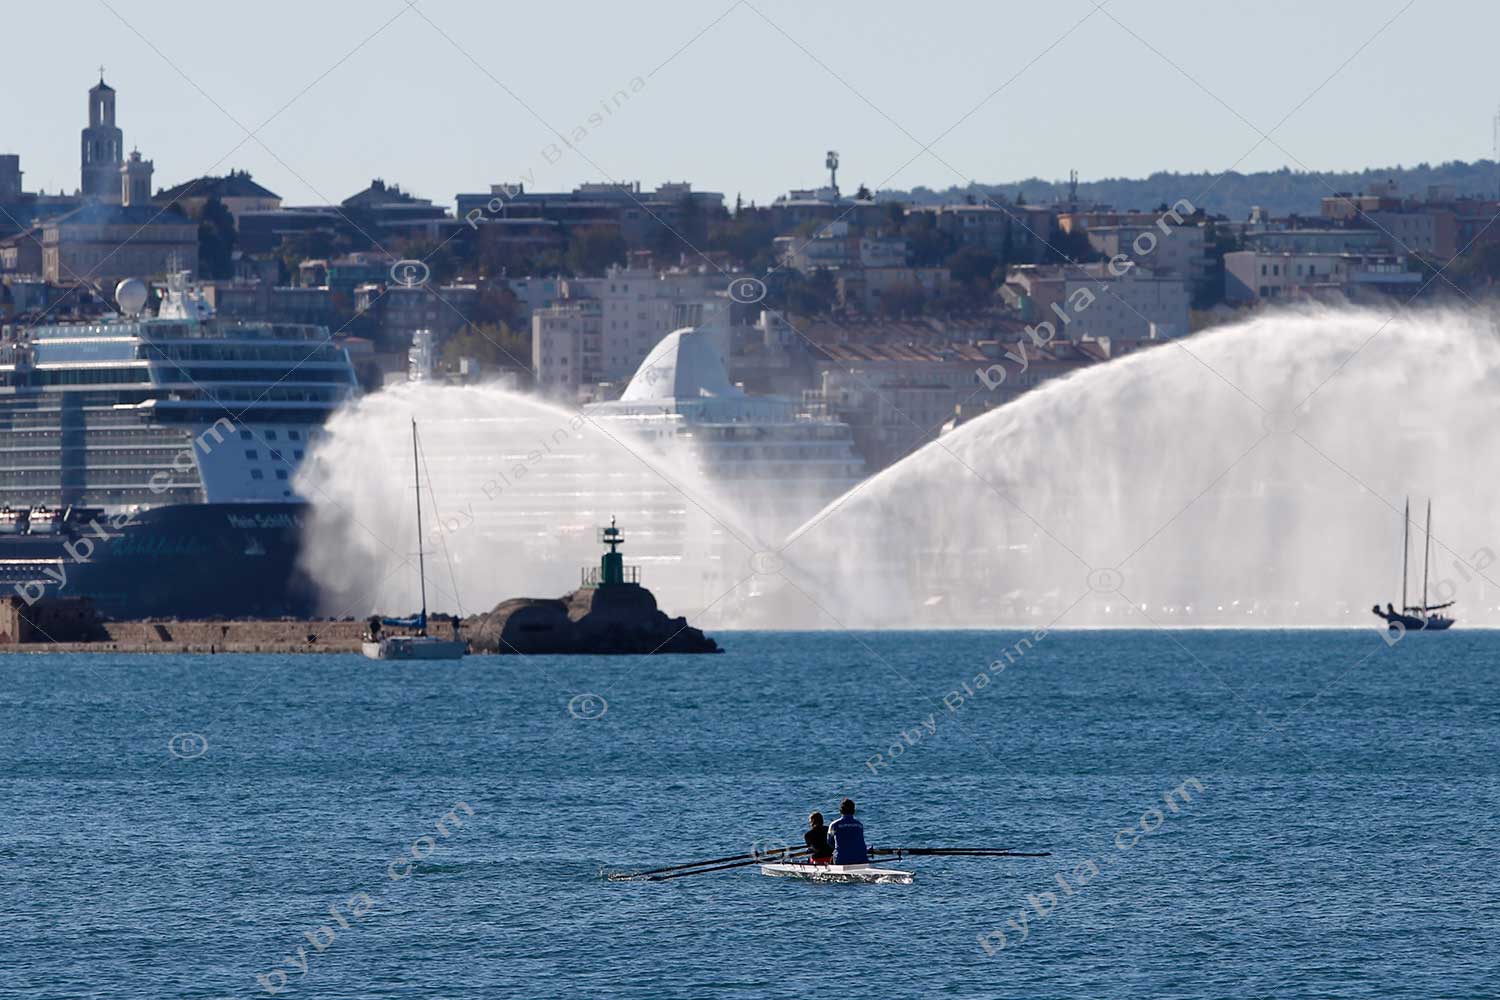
x,y
257,474
270,435
280,473
297,454
275,455
244,435
252,454
294,435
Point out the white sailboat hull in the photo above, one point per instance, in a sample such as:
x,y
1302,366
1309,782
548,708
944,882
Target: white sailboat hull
x,y
413,647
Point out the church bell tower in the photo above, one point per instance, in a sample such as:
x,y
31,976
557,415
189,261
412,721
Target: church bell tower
x,y
103,146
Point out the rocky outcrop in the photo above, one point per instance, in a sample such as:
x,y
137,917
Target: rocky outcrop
x,y
612,619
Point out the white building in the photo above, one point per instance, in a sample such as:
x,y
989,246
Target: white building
x,y
834,248
565,347
1257,275
1100,301
1177,251
603,328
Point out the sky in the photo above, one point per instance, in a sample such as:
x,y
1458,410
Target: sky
x,y
745,96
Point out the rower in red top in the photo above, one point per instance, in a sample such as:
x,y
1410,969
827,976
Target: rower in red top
x,y
817,840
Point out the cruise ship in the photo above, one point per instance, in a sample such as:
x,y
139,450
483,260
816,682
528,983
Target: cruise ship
x,y
147,462
777,462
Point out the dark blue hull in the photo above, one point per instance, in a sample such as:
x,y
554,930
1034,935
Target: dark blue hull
x,y
184,561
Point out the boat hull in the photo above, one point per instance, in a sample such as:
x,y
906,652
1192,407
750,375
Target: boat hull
x,y
226,560
837,873
1414,623
413,648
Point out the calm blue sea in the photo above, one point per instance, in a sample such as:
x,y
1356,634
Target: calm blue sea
x,y
1333,832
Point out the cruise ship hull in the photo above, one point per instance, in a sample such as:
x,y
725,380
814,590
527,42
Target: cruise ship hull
x,y
215,560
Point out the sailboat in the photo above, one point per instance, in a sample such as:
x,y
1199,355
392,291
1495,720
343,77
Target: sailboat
x,y
420,646
1422,617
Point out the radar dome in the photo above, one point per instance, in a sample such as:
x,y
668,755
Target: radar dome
x,y
131,295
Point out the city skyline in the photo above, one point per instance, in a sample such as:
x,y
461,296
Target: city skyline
x,y
322,123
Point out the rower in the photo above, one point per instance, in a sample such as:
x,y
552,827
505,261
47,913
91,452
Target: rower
x,y
816,839
848,836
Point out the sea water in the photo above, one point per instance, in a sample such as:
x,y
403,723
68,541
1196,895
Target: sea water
x,y
1229,814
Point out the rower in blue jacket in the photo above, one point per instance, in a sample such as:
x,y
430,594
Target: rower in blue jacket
x,y
848,836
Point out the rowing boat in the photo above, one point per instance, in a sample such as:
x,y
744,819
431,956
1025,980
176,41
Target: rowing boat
x,y
837,873
786,867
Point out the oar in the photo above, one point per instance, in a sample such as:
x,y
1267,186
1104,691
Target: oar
x,y
737,864
961,852
752,856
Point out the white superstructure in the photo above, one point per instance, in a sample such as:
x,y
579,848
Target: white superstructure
x,y
681,399
141,410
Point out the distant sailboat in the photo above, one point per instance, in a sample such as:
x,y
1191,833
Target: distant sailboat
x,y
1415,617
420,646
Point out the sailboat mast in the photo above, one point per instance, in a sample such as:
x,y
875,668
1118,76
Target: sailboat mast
x,y
1426,555
1405,546
421,563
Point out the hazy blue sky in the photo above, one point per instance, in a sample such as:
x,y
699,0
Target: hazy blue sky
x,y
751,104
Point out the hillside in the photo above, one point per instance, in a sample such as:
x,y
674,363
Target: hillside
x,y
1281,192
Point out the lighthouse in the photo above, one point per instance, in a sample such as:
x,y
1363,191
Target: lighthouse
x,y
612,571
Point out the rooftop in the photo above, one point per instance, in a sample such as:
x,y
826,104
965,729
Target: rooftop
x,y
100,214
235,184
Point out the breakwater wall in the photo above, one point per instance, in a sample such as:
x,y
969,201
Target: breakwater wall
x,y
210,636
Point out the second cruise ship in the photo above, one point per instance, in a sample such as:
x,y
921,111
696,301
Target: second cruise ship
x,y
146,462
